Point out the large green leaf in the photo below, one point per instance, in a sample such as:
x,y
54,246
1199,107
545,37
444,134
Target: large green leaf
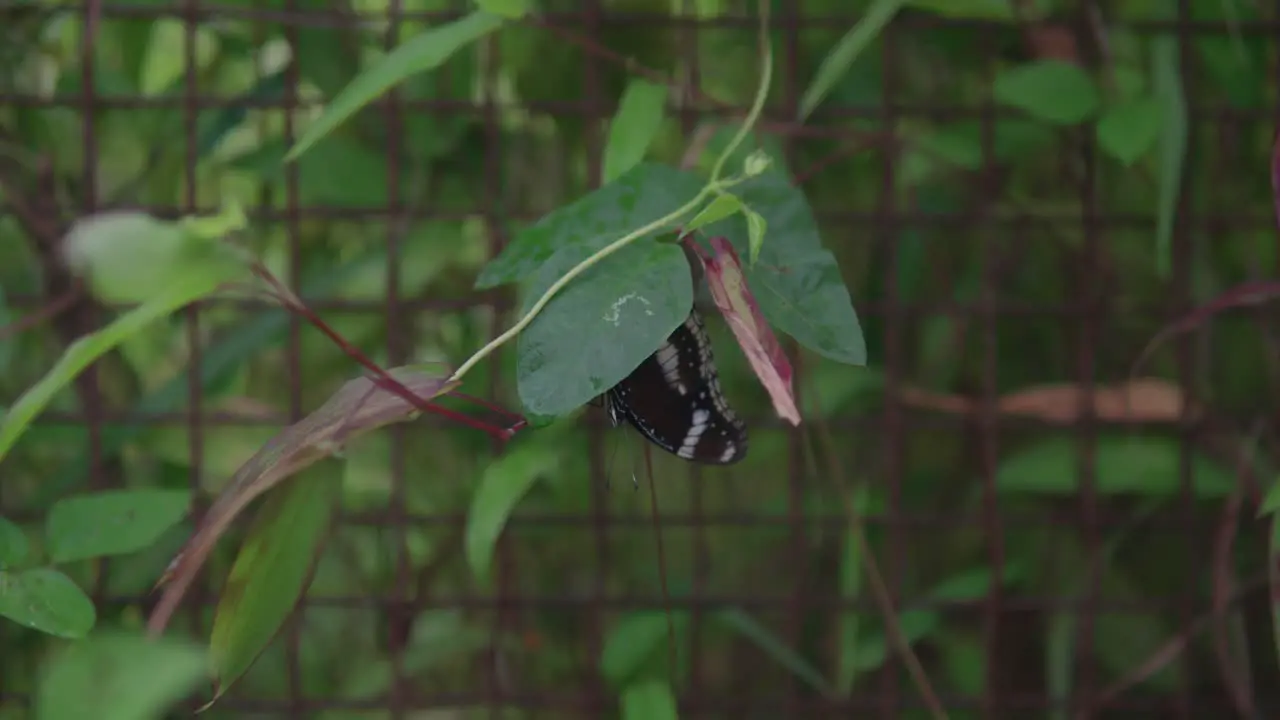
x,y
601,326
574,232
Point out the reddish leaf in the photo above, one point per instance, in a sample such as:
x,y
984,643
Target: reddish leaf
x,y
356,408
733,297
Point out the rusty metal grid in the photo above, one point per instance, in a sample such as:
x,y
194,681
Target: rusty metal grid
x,y
751,687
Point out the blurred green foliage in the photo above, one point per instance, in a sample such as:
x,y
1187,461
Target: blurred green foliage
x,y
1004,169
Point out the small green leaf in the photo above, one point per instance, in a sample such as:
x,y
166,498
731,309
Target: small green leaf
x,y
1271,501
1051,90
634,127
504,483
847,50
1129,130
773,646
1122,465
632,642
113,676
756,226
111,522
46,600
426,51
972,585
166,57
509,9
271,571
13,544
649,700
912,625
724,205
131,257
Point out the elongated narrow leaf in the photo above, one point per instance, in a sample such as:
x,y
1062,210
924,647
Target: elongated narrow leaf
x,y
111,522
46,600
358,407
847,50
1167,78
114,676
271,572
634,127
504,483
774,647
424,52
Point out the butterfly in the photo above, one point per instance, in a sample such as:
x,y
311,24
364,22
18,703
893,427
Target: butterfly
x,y
673,398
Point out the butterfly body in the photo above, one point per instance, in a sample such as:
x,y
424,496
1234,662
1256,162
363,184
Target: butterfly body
x,y
673,398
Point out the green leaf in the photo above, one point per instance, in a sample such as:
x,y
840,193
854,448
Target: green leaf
x,y
912,624
756,226
1273,578
271,571
576,231
131,257
113,676
796,281
81,353
850,589
505,482
1051,90
649,700
46,600
723,206
773,646
966,9
111,522
1128,130
601,326
1122,465
847,50
634,641
13,544
166,58
634,127
8,341
1270,501
972,585
424,52
509,9
1167,78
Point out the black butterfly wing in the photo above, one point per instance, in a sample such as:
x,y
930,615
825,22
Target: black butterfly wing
x,y
674,399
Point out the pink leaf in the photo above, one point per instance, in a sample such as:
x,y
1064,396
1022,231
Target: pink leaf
x,y
729,290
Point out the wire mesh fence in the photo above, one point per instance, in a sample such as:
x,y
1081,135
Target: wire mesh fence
x,y
1055,537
